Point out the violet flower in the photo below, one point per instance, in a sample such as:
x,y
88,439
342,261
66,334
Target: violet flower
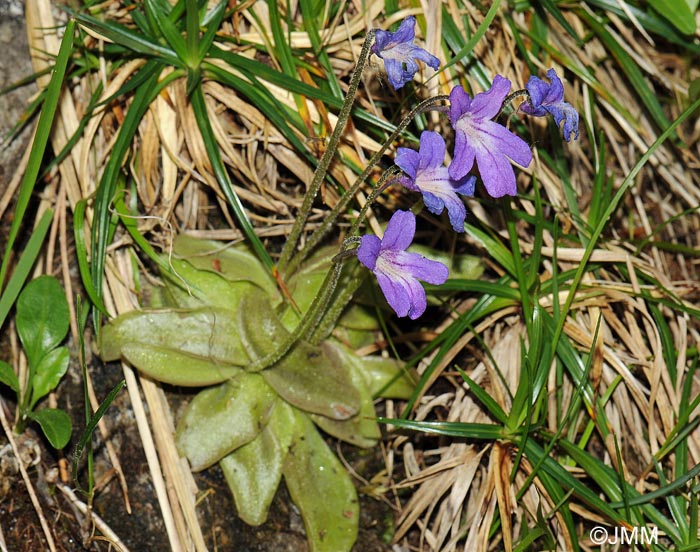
x,y
478,138
428,175
549,99
396,269
400,54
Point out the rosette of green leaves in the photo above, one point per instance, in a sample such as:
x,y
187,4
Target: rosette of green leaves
x,y
218,315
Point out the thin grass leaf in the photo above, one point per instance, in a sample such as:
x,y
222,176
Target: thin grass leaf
x,y
495,248
90,428
41,138
311,18
24,265
484,306
130,222
629,68
202,116
597,231
536,455
251,67
650,21
678,13
550,8
497,289
192,33
463,51
484,398
686,408
488,432
132,41
156,13
82,256
108,183
260,97
676,503
282,52
212,23
607,478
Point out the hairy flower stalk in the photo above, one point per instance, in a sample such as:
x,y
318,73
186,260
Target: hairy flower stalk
x,y
330,219
327,157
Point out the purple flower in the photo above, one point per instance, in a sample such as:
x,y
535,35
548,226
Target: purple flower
x,y
549,99
397,270
400,54
427,174
479,138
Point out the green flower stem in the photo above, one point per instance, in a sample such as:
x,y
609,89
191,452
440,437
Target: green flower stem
x,y
329,321
330,219
384,182
324,163
310,321
509,99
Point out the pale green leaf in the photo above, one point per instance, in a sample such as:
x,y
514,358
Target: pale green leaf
x,y
253,471
322,490
305,377
362,429
55,424
223,418
235,263
177,367
208,332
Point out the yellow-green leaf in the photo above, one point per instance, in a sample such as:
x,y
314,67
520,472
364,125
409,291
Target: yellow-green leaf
x,y
223,418
322,490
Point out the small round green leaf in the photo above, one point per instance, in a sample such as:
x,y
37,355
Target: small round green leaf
x,y
42,317
8,376
55,424
48,373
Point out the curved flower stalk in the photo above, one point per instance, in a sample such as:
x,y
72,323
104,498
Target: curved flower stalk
x,y
426,173
548,99
481,140
400,54
397,270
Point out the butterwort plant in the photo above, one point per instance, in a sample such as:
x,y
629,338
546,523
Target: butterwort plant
x,y
265,348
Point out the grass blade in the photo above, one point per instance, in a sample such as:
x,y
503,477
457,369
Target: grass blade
x,y
41,138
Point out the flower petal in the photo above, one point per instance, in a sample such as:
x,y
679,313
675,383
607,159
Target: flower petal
x,y
460,103
395,73
399,232
406,31
463,156
496,172
426,57
420,267
368,251
408,161
508,143
486,105
395,293
432,150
